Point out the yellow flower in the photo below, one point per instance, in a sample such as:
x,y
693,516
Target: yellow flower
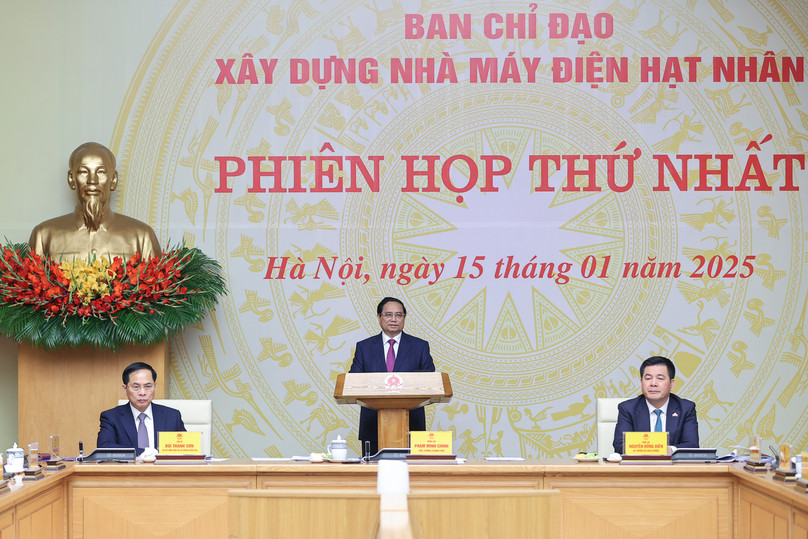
x,y
89,281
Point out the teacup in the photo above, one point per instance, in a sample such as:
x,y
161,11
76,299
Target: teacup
x,y
15,458
338,448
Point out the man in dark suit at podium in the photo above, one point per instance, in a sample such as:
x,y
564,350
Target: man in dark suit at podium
x,y
138,423
657,409
390,351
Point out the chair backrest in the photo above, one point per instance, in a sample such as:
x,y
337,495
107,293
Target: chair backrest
x,y
606,421
197,416
472,513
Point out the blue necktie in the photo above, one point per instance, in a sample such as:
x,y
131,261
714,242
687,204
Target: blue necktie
x,y
658,426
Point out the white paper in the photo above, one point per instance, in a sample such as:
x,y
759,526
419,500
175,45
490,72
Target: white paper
x,y
275,459
516,459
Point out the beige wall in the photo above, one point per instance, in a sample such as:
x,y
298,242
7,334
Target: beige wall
x,y
66,69
8,393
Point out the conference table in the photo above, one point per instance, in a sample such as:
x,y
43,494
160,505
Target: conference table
x,y
100,501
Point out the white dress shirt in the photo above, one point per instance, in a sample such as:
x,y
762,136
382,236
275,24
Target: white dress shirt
x,y
662,417
386,339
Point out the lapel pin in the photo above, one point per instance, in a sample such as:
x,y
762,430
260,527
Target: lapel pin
x,y
675,415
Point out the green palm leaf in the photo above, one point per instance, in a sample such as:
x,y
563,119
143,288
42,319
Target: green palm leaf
x,y
200,276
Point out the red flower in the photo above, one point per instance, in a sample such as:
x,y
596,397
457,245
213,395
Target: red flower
x,y
52,292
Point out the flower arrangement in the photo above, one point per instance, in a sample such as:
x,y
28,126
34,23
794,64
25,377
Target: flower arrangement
x,y
88,280
106,303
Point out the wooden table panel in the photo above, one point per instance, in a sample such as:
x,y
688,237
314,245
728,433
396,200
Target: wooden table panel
x,y
7,528
644,512
144,501
799,524
469,513
303,514
644,501
477,474
144,512
42,516
762,516
598,500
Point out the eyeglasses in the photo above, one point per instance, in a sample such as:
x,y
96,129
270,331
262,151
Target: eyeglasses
x,y
390,316
137,387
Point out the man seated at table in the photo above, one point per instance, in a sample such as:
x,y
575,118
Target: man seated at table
x,y
392,350
657,409
139,422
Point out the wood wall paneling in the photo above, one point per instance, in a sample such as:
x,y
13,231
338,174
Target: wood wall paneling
x,y
64,391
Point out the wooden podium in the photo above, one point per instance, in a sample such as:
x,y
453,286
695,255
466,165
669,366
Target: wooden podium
x,y
393,395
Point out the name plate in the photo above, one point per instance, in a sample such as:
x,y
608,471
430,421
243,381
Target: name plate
x,y
645,443
103,454
180,443
430,443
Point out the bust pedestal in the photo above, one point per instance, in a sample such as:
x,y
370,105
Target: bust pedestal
x,y
64,391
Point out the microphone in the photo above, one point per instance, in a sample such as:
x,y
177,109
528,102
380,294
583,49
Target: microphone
x,y
81,452
776,455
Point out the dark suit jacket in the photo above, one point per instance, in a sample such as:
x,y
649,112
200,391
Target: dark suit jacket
x,y
118,427
370,356
633,416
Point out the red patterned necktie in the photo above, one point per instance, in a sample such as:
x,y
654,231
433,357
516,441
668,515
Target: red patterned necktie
x,y
391,356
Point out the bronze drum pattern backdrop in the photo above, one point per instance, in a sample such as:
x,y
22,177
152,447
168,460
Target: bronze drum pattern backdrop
x,y
528,353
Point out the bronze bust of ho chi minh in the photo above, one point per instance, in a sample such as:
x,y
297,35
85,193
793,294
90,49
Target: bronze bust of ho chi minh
x,y
93,229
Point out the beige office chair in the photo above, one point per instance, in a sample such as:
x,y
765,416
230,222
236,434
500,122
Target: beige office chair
x,y
197,415
606,422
